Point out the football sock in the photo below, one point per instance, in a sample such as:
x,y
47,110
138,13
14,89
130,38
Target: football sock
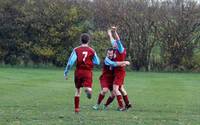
x,y
109,100
101,97
125,97
119,100
76,102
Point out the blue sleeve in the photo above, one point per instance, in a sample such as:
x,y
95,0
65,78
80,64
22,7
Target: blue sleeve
x,y
71,61
120,46
96,59
113,42
109,62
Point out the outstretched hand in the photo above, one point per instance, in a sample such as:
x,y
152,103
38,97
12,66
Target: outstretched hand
x,y
127,62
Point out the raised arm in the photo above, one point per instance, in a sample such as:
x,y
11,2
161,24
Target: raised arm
x,y
96,59
112,40
120,47
71,61
114,29
115,42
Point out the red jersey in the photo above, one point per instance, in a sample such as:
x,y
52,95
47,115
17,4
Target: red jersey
x,y
85,56
119,72
107,72
107,77
119,57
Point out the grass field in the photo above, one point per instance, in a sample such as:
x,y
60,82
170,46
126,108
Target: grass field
x,y
43,97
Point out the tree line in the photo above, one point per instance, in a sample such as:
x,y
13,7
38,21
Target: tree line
x,y
159,35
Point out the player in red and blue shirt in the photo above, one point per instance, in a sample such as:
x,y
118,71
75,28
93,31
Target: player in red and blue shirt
x,y
119,72
107,78
85,57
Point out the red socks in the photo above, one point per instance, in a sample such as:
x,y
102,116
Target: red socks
x,y
109,100
101,97
119,100
76,103
126,99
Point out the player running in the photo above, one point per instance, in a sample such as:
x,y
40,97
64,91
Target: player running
x,y
107,78
119,72
85,57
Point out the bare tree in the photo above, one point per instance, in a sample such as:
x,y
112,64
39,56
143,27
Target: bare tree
x,y
179,22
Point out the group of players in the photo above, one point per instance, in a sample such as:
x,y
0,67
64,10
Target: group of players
x,y
113,71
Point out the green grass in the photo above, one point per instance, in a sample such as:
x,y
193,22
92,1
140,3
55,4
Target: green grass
x,y
43,97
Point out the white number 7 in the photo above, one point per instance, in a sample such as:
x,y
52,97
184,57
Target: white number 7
x,y
85,53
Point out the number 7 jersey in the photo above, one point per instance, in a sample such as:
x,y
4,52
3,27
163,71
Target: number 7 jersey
x,y
85,56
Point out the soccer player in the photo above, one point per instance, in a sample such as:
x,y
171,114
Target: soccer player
x,y
119,72
85,57
107,78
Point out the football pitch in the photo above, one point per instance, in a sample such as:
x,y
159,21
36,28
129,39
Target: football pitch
x,y
43,97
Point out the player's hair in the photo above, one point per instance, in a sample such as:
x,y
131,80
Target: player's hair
x,y
110,49
85,38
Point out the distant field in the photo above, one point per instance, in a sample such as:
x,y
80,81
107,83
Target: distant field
x,y
43,97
